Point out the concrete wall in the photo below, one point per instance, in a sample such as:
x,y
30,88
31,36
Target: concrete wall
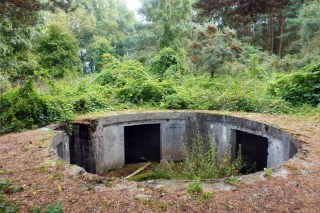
x,y
109,142
60,145
104,142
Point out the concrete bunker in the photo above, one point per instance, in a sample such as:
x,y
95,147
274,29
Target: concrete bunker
x,y
110,142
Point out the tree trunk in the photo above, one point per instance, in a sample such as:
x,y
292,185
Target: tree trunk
x,y
281,32
272,35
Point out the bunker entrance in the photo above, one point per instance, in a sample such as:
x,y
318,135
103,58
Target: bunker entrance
x,y
142,142
254,151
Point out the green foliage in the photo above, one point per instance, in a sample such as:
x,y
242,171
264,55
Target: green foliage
x,y
234,93
195,187
4,83
170,22
26,108
211,47
290,63
180,100
6,187
166,63
138,90
57,208
254,66
148,91
17,61
117,74
157,173
301,87
23,108
206,196
202,160
127,85
113,21
84,96
58,51
8,207
100,47
309,18
233,180
267,172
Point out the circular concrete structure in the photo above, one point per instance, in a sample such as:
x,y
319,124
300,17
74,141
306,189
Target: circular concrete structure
x,y
109,142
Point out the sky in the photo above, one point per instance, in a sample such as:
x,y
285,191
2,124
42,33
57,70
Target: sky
x,y
133,4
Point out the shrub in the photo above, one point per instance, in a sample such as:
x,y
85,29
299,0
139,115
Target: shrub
x,y
179,100
202,161
195,187
302,87
166,63
145,91
116,73
23,108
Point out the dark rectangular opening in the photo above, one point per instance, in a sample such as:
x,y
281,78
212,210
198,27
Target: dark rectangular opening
x,y
81,148
254,150
142,143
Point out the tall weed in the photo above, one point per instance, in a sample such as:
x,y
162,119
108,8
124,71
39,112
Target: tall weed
x,y
202,160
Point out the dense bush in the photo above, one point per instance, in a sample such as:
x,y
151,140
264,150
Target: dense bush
x,y
23,108
121,85
116,73
301,87
202,160
166,63
224,93
139,92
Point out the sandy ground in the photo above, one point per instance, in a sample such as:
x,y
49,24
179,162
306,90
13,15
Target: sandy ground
x,y
26,160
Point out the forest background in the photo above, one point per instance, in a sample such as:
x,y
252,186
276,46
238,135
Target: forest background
x,y
59,59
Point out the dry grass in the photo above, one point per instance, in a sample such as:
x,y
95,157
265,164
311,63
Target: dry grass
x,y
26,161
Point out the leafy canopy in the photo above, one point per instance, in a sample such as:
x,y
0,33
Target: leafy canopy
x,y
58,51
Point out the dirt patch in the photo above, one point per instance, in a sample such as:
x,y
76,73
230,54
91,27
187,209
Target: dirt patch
x,y
25,159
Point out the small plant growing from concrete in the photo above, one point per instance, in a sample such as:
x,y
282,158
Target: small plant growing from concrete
x,y
109,183
195,187
233,180
267,172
